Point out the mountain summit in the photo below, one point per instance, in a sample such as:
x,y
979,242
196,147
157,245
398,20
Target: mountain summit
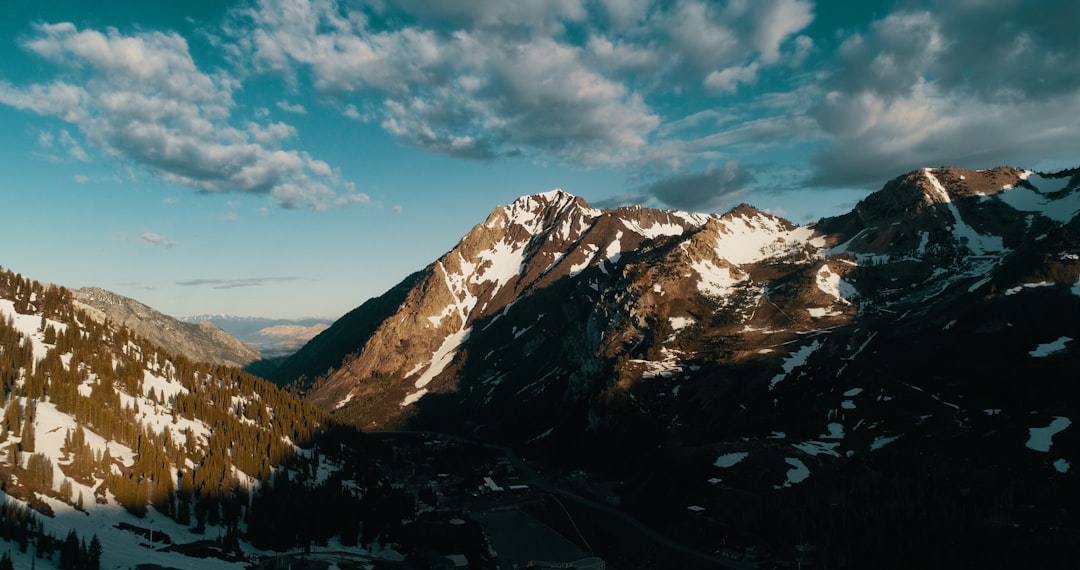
x,y
548,294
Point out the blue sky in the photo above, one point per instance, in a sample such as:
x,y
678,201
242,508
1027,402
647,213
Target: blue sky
x,y
290,158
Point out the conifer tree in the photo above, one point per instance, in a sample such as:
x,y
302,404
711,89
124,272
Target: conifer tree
x,y
12,415
94,554
28,441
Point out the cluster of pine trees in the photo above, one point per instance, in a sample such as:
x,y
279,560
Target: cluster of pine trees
x,y
19,525
224,424
96,373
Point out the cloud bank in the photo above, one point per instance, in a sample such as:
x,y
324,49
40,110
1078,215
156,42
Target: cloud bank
x,y
965,83
689,94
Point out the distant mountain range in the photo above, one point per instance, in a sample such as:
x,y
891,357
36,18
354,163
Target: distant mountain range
x,y
272,337
725,362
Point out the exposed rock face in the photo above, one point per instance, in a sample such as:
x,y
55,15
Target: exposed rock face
x,y
202,342
917,346
553,313
539,245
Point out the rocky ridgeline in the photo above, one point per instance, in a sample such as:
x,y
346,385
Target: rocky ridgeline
x,y
553,309
201,342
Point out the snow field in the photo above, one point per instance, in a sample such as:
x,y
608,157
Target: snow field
x,y
979,244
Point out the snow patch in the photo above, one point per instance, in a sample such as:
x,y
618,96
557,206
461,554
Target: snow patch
x,y
614,249
715,280
679,323
980,244
816,448
590,253
1018,288
829,283
1062,209
730,459
747,240
794,361
1040,439
975,286
442,357
836,431
1061,465
1044,350
414,397
798,472
881,441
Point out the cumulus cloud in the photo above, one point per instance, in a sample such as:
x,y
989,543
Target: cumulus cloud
x,y
972,84
703,191
296,109
141,97
352,112
155,239
481,80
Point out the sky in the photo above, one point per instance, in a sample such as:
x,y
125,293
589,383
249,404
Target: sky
x,y
293,158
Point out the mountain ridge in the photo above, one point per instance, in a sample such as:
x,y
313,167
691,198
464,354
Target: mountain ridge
x,y
894,376
203,341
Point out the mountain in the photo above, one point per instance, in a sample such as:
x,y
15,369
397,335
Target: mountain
x,y
271,337
116,452
202,342
711,371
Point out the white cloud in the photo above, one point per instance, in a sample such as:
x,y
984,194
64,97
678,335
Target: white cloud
x,y
142,98
296,109
155,239
729,79
776,21
961,84
487,79
352,112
